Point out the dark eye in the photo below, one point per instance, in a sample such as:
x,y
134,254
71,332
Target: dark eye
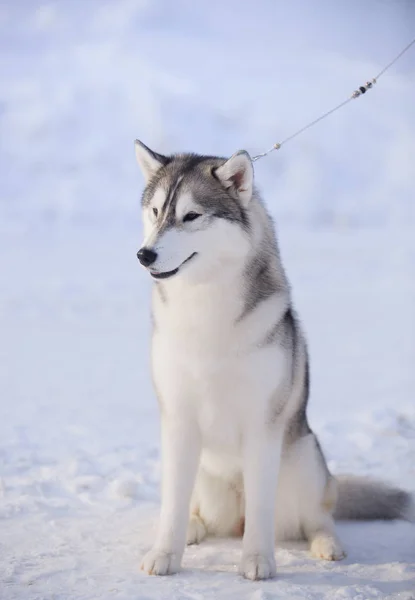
x,y
155,212
191,216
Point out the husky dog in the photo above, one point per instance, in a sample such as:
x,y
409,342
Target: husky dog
x,y
230,369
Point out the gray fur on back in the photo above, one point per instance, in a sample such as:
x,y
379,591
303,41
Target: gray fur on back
x,y
264,274
361,498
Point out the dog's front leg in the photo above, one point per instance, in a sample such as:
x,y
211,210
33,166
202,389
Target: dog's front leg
x,y
262,453
180,441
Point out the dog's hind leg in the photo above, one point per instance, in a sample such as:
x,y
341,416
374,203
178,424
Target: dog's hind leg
x,y
325,545
322,536
306,499
216,507
317,522
196,529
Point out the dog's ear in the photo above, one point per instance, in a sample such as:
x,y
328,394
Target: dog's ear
x,y
150,162
237,176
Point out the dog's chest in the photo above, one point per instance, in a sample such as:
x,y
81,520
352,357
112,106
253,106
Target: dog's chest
x,y
206,364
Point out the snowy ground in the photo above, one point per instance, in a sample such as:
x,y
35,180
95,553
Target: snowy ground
x,y
79,452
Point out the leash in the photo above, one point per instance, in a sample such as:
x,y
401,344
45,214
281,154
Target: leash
x,y
356,94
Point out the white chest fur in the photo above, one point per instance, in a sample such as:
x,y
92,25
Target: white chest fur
x,y
211,368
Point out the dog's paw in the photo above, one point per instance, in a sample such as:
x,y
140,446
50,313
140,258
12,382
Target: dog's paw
x,y
196,530
157,562
327,547
258,566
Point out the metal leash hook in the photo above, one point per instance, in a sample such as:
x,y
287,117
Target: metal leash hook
x,y
275,146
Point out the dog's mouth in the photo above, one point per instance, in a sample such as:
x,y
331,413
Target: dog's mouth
x,y
166,274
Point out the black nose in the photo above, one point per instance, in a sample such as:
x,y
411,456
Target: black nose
x,y
146,256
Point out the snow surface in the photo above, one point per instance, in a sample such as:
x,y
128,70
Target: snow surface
x,y
79,447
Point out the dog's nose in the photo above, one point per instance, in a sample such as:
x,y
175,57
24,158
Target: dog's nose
x,y
146,256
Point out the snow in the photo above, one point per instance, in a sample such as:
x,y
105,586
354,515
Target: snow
x,y
79,450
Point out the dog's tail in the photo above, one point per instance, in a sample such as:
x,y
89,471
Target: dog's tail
x,y
368,499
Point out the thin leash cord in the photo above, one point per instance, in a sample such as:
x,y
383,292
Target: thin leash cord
x,y
359,92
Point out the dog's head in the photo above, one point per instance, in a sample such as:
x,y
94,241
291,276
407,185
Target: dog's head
x,y
195,212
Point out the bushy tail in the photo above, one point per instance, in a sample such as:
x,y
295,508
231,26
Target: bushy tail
x,y
368,499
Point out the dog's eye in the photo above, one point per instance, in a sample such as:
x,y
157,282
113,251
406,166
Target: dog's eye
x,y
191,216
155,212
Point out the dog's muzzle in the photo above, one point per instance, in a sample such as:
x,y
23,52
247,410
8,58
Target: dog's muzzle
x,y
147,257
